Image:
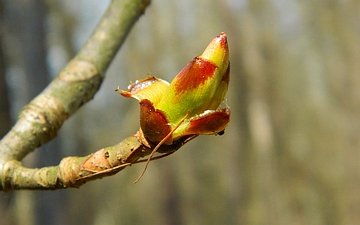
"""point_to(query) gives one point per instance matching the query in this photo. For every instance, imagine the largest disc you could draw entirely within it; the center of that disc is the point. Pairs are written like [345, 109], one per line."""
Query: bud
[199, 88]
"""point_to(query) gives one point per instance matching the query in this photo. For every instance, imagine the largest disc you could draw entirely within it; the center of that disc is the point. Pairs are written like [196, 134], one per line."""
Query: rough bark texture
[75, 85]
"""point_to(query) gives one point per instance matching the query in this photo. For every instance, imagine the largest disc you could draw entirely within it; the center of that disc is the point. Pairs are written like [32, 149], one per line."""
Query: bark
[75, 85]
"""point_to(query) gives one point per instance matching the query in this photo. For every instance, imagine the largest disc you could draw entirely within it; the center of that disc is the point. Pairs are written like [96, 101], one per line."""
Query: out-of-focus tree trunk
[5, 117]
[27, 24]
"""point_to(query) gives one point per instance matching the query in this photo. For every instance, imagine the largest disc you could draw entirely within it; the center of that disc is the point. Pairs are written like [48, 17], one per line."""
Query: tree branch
[75, 85]
[76, 171]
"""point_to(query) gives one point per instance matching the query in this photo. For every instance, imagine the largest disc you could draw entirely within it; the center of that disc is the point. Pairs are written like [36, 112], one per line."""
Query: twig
[75, 85]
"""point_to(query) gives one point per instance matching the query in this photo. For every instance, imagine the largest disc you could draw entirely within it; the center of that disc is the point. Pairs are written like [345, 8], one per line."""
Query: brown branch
[76, 171]
[75, 85]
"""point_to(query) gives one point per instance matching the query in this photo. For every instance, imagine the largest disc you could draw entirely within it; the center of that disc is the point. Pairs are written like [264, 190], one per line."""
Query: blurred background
[290, 154]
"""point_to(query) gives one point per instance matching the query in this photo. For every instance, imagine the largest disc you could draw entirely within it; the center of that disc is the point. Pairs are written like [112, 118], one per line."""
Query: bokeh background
[289, 156]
